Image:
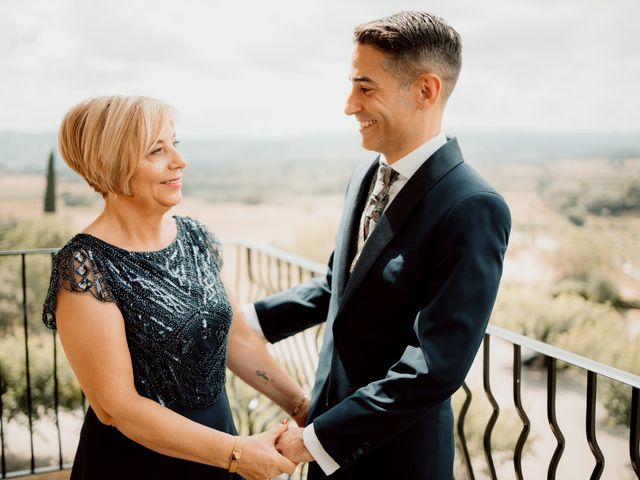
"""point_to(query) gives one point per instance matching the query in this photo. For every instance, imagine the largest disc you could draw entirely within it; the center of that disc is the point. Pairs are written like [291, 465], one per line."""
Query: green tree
[50, 192]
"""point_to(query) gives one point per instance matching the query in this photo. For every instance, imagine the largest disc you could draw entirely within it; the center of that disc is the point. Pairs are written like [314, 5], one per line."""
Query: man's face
[385, 111]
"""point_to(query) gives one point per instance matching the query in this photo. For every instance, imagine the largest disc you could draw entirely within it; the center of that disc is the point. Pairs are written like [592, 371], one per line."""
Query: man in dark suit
[413, 277]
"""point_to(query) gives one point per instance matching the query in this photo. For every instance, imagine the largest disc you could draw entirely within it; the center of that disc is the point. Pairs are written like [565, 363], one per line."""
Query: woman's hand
[300, 415]
[260, 460]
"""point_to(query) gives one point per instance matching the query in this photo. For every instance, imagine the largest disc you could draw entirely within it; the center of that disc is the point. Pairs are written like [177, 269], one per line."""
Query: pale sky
[280, 68]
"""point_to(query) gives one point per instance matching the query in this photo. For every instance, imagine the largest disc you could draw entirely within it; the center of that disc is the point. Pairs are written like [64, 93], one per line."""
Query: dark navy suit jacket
[404, 327]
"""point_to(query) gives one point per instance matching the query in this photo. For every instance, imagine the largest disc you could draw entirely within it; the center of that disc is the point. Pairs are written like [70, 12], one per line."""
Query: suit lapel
[343, 253]
[431, 171]
[345, 242]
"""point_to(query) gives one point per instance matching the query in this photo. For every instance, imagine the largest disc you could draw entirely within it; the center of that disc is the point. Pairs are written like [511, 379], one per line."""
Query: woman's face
[157, 181]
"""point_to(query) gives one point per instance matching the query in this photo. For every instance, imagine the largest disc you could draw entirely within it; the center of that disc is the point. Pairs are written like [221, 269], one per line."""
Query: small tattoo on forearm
[263, 374]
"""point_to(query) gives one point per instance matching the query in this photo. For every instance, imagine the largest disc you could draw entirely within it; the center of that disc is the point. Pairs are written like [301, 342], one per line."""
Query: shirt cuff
[251, 317]
[319, 454]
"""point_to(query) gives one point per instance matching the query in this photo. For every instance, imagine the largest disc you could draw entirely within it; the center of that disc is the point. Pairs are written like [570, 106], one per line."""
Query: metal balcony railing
[259, 270]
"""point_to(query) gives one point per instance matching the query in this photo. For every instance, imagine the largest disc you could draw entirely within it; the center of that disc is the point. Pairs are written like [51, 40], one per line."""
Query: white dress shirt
[406, 167]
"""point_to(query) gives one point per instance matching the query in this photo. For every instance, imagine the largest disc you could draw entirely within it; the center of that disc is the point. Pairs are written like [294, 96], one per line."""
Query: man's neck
[409, 147]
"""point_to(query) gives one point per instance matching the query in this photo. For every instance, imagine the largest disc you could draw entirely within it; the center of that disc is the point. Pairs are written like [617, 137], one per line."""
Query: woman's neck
[125, 225]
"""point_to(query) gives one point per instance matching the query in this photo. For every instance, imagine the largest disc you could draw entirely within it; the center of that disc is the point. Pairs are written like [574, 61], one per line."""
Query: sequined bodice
[176, 313]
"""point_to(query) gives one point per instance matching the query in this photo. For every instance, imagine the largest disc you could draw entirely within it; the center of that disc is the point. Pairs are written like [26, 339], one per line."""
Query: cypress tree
[50, 192]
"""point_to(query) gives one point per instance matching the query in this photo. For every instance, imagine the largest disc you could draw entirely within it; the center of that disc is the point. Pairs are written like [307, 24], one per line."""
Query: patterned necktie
[377, 201]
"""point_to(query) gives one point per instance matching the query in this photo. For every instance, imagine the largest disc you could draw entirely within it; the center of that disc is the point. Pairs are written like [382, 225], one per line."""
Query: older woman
[145, 319]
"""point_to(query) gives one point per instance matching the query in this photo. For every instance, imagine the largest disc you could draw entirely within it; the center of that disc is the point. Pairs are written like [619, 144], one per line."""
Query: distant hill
[524, 147]
[24, 152]
[27, 152]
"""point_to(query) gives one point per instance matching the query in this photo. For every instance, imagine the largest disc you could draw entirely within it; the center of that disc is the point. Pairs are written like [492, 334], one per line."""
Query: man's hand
[291, 445]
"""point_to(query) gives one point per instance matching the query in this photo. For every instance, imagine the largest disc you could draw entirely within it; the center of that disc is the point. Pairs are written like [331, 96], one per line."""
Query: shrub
[42, 232]
[562, 198]
[10, 310]
[596, 287]
[631, 194]
[599, 288]
[13, 376]
[503, 438]
[578, 325]
[47, 231]
[576, 216]
[580, 253]
[599, 199]
[252, 198]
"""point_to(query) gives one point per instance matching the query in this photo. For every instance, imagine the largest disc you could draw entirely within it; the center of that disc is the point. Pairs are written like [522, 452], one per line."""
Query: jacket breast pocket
[400, 266]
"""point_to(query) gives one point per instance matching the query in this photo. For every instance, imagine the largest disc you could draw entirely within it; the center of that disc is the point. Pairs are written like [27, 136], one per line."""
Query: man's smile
[366, 124]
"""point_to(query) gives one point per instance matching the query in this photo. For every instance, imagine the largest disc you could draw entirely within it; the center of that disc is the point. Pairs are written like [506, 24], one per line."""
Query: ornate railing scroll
[257, 271]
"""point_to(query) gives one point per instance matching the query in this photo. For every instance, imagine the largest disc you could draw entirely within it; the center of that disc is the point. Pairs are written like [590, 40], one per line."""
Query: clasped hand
[291, 445]
[267, 455]
[290, 442]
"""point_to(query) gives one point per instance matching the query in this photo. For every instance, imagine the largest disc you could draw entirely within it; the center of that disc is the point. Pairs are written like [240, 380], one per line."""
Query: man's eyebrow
[362, 80]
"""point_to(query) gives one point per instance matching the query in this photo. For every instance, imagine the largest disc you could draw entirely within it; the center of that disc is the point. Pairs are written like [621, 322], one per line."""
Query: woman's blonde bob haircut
[104, 138]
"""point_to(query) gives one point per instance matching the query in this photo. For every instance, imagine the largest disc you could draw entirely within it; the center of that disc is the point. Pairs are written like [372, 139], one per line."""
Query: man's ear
[429, 88]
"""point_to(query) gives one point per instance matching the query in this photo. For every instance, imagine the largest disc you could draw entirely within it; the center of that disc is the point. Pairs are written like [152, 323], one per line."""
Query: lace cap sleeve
[74, 269]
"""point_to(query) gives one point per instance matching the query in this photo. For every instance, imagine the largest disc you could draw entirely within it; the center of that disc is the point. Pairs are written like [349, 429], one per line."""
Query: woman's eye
[364, 90]
[176, 142]
[156, 151]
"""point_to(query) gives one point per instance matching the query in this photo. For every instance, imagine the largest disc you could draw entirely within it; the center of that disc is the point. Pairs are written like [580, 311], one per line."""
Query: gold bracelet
[298, 407]
[236, 453]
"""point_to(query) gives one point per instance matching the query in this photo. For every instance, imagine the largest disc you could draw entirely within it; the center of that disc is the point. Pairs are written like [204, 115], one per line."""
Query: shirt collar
[411, 162]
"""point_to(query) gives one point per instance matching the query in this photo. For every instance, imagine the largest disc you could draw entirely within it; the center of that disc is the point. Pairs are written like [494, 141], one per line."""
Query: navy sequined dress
[177, 319]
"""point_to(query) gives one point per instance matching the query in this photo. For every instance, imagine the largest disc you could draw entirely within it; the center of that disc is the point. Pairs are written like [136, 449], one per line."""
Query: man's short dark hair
[415, 43]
